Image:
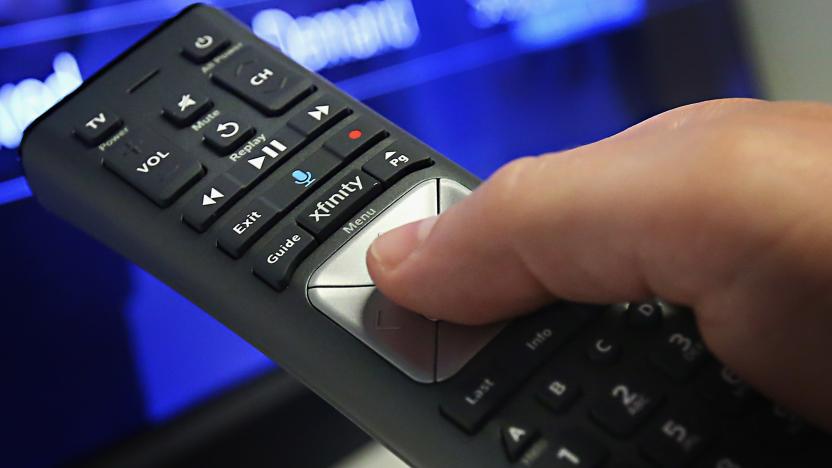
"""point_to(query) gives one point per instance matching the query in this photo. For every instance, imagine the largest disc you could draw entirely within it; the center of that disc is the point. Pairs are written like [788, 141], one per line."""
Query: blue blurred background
[94, 350]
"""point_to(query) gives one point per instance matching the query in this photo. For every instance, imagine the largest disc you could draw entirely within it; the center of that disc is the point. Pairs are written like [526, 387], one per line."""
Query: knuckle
[509, 186]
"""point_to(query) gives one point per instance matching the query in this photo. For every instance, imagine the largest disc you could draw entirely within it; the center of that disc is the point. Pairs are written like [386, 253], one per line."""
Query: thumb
[719, 206]
[614, 221]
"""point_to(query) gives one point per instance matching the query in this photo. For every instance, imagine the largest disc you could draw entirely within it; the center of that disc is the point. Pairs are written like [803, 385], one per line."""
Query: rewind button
[271, 154]
[208, 204]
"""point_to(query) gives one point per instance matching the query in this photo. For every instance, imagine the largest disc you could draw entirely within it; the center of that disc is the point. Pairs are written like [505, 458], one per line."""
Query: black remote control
[254, 188]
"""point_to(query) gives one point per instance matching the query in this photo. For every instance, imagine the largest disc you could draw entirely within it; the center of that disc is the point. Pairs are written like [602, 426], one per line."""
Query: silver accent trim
[347, 266]
[405, 339]
[451, 192]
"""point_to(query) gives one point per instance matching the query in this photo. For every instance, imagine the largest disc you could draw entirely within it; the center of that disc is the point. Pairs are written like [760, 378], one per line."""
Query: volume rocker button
[154, 166]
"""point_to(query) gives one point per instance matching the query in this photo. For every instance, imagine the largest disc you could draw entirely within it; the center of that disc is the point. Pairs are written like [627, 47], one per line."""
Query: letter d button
[279, 257]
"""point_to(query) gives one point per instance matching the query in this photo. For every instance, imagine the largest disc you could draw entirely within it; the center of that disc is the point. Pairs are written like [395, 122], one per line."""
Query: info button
[277, 260]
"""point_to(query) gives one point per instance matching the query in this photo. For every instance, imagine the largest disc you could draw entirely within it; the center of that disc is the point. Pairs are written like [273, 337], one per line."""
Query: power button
[203, 46]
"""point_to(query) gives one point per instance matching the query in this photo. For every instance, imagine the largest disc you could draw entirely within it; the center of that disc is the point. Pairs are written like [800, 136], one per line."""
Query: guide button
[277, 260]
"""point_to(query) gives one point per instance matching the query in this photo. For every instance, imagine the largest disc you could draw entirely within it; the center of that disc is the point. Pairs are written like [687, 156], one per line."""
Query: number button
[575, 450]
[677, 439]
[722, 388]
[625, 406]
[97, 127]
[680, 355]
[262, 82]
[205, 45]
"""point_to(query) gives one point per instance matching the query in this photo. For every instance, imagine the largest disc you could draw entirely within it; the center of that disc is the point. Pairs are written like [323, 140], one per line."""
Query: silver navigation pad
[424, 350]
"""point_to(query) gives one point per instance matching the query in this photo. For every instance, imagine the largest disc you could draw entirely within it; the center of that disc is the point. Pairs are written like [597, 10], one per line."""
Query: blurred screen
[96, 349]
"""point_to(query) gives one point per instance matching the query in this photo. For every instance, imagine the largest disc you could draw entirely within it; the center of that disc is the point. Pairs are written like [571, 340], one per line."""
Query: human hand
[722, 206]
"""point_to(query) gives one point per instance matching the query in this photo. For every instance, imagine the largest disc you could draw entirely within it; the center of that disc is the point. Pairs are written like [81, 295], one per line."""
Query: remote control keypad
[624, 390]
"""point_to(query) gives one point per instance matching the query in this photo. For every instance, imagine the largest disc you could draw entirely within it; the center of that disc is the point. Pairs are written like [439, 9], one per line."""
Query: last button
[396, 161]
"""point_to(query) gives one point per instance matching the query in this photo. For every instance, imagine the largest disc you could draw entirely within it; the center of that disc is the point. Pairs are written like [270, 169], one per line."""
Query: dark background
[98, 358]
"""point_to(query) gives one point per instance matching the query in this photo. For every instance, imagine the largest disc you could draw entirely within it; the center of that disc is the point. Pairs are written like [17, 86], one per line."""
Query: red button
[355, 134]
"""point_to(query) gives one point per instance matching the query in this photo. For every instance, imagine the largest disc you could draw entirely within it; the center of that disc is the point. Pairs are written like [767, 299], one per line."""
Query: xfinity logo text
[323, 209]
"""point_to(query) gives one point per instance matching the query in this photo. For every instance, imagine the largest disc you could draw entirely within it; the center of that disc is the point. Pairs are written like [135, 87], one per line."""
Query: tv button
[97, 127]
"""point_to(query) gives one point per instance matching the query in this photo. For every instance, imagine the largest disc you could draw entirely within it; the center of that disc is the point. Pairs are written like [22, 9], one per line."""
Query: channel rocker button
[396, 161]
[342, 201]
[277, 260]
[263, 82]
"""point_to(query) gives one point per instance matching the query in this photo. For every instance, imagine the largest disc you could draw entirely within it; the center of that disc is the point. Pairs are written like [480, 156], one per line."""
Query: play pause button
[267, 156]
[208, 204]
